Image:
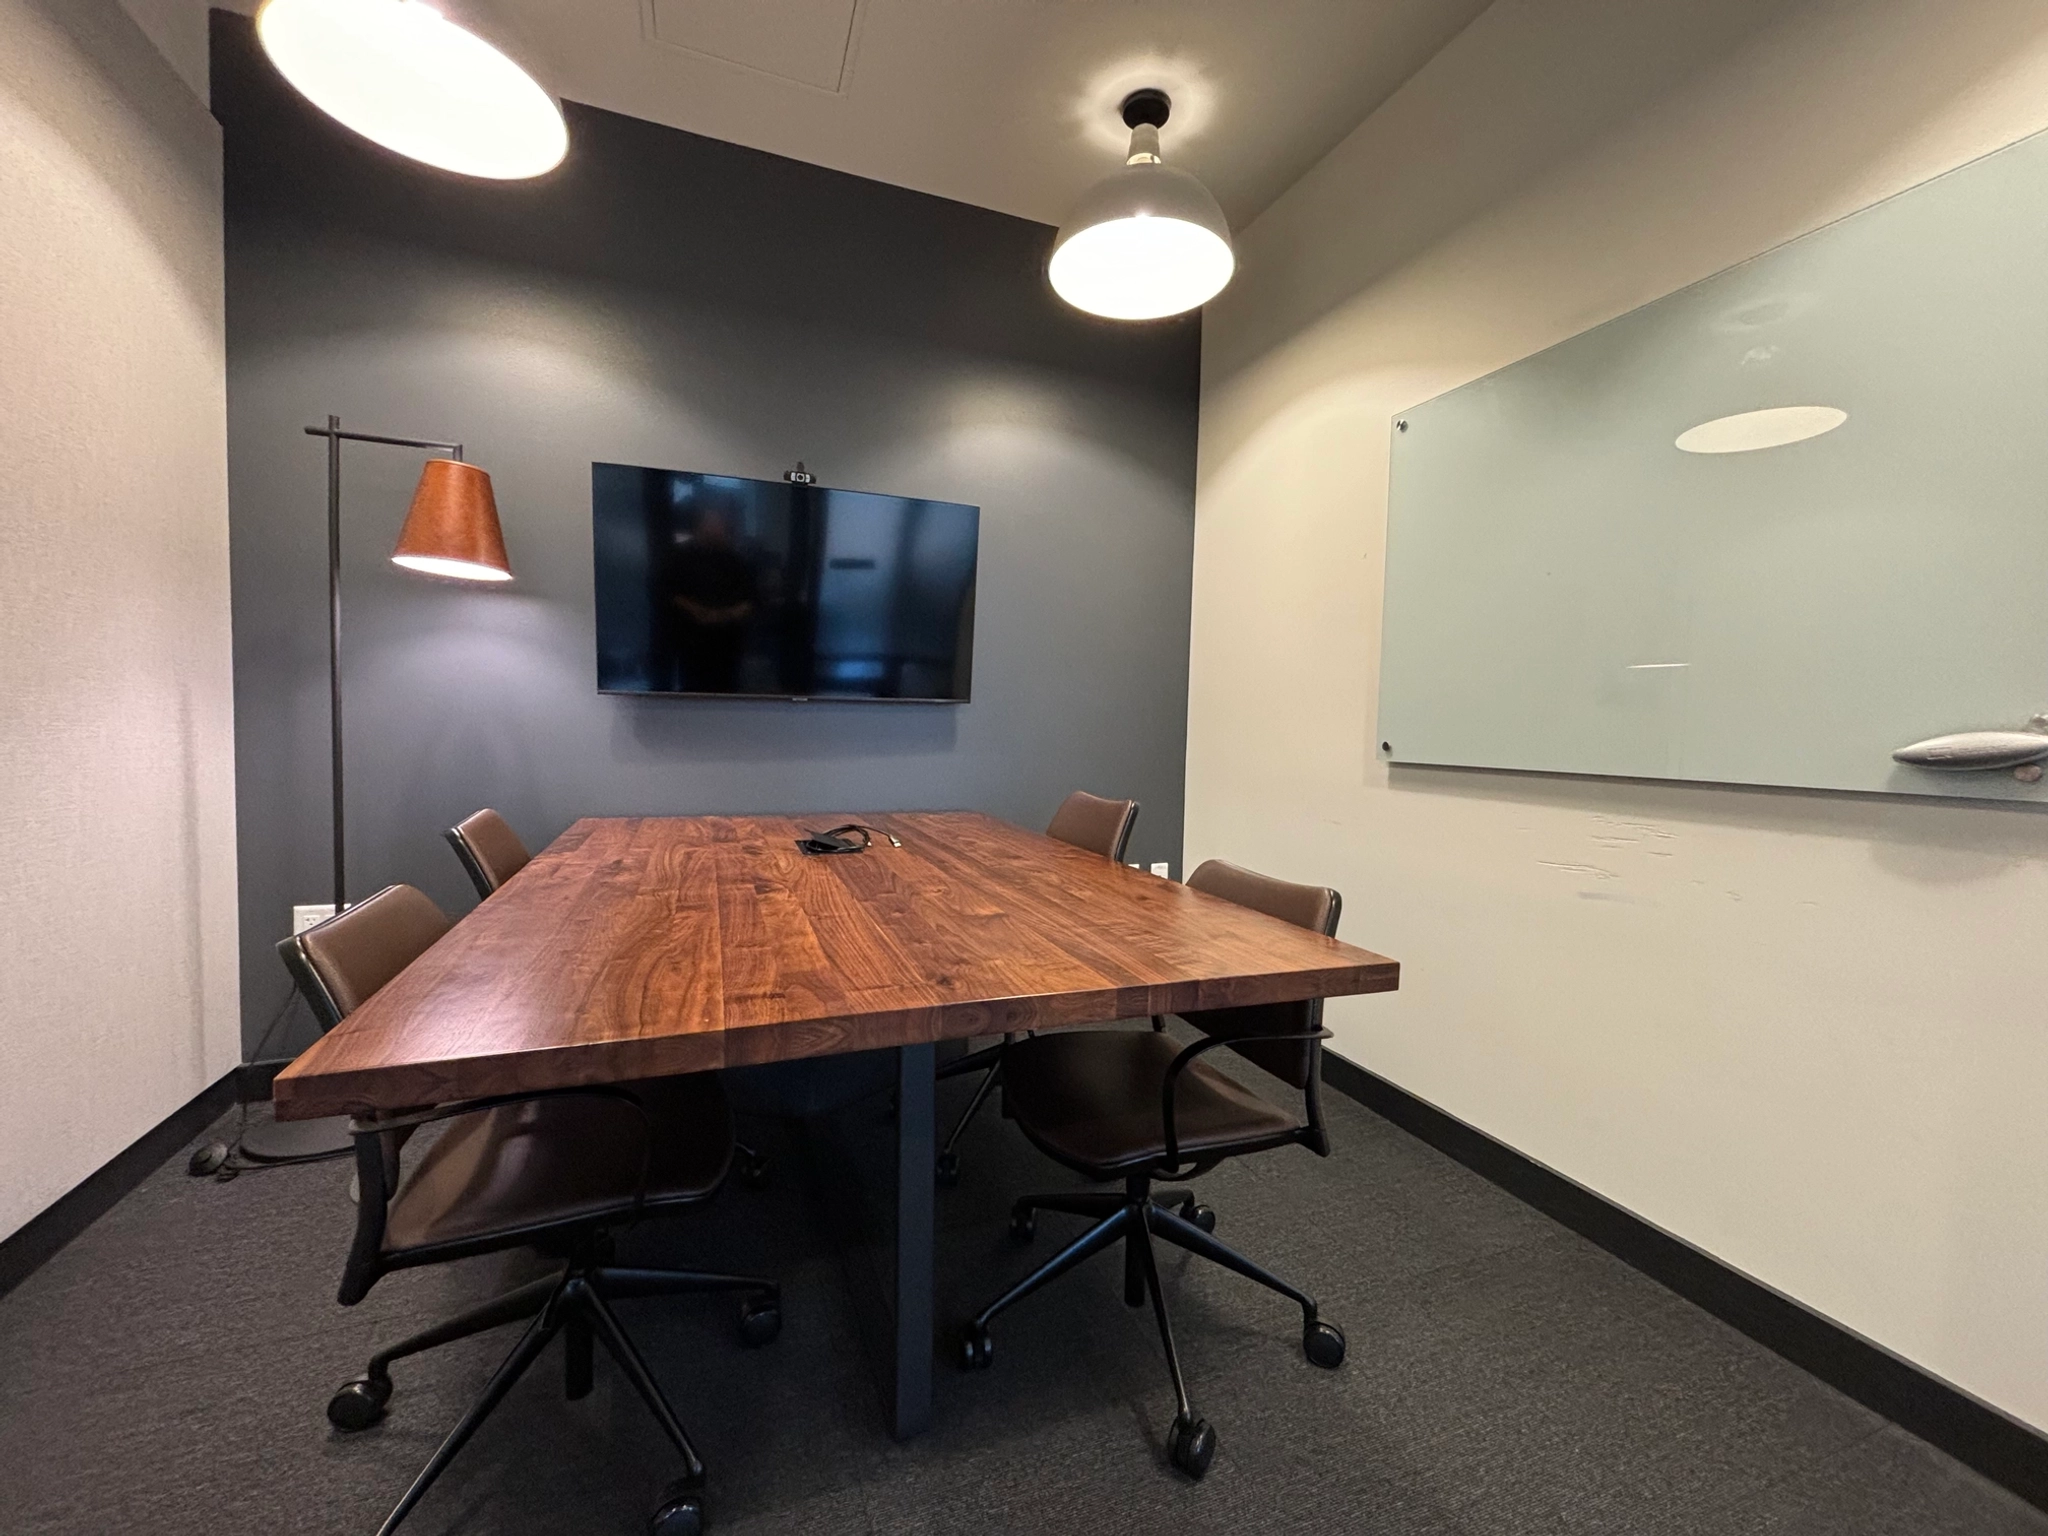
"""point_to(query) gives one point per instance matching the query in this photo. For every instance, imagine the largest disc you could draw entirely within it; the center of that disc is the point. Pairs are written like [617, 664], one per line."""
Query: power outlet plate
[306, 917]
[1163, 871]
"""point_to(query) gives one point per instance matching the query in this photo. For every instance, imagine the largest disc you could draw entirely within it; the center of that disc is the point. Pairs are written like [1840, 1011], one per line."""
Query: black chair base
[1134, 1218]
[989, 1062]
[575, 1304]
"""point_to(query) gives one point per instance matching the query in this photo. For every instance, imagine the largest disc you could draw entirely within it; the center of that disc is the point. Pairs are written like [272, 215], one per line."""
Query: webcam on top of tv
[799, 475]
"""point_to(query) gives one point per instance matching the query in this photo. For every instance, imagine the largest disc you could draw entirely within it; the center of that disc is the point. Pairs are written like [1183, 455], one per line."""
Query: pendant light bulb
[1147, 241]
[403, 75]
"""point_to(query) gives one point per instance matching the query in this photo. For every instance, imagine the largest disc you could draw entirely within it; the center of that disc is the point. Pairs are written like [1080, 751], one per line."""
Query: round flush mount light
[1148, 241]
[1751, 430]
[405, 76]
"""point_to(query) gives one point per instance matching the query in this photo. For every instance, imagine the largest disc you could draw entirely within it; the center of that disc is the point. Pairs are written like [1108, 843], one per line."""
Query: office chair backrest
[1091, 822]
[489, 849]
[1314, 907]
[341, 963]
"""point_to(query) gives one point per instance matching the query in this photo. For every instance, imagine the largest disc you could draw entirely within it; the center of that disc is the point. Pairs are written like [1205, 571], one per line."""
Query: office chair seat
[1091, 1099]
[564, 1162]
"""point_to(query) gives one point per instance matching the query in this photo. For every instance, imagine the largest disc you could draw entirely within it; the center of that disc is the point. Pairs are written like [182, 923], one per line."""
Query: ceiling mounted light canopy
[404, 75]
[1750, 431]
[1148, 241]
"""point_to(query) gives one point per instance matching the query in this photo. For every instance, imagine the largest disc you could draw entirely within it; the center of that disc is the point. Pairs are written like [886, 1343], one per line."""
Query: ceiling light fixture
[405, 76]
[1751, 430]
[1148, 241]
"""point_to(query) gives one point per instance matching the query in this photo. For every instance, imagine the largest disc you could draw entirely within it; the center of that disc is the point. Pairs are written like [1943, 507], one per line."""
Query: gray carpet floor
[168, 1370]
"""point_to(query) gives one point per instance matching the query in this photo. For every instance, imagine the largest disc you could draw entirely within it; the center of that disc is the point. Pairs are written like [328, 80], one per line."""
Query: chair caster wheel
[760, 1321]
[208, 1160]
[1193, 1446]
[681, 1513]
[753, 1169]
[359, 1403]
[977, 1350]
[1201, 1215]
[1023, 1226]
[1323, 1343]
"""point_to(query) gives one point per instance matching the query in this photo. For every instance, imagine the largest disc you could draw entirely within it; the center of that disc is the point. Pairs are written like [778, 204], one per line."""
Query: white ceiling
[1010, 104]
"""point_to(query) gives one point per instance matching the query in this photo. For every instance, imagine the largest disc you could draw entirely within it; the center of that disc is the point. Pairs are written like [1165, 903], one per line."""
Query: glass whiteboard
[1568, 591]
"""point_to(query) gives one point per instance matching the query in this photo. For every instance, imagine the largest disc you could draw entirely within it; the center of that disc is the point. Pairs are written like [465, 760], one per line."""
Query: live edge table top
[636, 947]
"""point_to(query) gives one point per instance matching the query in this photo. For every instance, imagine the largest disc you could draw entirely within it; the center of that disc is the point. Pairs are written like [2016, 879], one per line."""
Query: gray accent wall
[669, 300]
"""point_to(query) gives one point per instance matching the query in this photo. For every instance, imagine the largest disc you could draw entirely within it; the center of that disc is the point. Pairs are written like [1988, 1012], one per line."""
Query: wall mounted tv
[712, 585]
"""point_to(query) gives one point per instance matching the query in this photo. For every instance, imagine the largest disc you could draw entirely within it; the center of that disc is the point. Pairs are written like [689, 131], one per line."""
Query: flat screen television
[717, 586]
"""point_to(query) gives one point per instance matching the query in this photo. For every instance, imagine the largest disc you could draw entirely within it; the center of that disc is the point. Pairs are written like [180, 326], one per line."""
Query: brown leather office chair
[1087, 821]
[1091, 822]
[1134, 1105]
[556, 1171]
[490, 850]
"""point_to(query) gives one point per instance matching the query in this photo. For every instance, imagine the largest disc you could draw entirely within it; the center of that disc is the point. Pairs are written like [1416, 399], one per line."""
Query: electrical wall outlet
[305, 917]
[1163, 871]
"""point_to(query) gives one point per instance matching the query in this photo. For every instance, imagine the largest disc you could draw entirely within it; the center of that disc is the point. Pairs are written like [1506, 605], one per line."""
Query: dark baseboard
[35, 1244]
[253, 1079]
[1967, 1428]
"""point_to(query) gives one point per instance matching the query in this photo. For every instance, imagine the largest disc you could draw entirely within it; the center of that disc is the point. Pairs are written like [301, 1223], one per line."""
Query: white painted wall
[1804, 1031]
[117, 902]
[179, 29]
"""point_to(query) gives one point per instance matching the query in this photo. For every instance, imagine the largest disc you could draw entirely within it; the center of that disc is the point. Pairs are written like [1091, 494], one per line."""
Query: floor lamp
[452, 532]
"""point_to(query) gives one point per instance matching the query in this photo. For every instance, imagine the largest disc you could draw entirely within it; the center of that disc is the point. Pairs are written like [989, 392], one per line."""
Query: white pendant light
[404, 75]
[1148, 241]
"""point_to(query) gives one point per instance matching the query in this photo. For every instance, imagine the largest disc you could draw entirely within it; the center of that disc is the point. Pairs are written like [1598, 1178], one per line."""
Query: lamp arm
[333, 430]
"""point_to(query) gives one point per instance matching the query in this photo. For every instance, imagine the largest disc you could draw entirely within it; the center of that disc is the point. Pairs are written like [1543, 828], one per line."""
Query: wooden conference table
[637, 947]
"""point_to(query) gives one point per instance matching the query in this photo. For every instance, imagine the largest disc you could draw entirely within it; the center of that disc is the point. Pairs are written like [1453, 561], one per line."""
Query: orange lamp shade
[452, 529]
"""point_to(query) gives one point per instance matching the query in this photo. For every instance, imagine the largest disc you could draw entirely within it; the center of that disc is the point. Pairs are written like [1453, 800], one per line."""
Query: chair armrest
[413, 1119]
[1186, 1058]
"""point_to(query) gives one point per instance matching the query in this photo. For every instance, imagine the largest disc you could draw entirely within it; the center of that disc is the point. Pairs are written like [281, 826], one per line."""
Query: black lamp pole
[479, 545]
[335, 438]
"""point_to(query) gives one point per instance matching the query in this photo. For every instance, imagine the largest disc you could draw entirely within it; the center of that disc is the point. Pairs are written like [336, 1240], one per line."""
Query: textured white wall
[1802, 1031]
[117, 902]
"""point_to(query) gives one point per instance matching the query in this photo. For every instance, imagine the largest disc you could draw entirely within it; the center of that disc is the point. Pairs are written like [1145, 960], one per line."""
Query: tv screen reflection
[729, 587]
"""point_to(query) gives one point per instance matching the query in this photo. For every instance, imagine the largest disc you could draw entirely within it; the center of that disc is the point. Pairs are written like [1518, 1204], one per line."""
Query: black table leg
[871, 1133]
[916, 1148]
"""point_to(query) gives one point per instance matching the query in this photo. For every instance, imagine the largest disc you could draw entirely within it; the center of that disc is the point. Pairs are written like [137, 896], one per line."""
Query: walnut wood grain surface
[636, 947]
